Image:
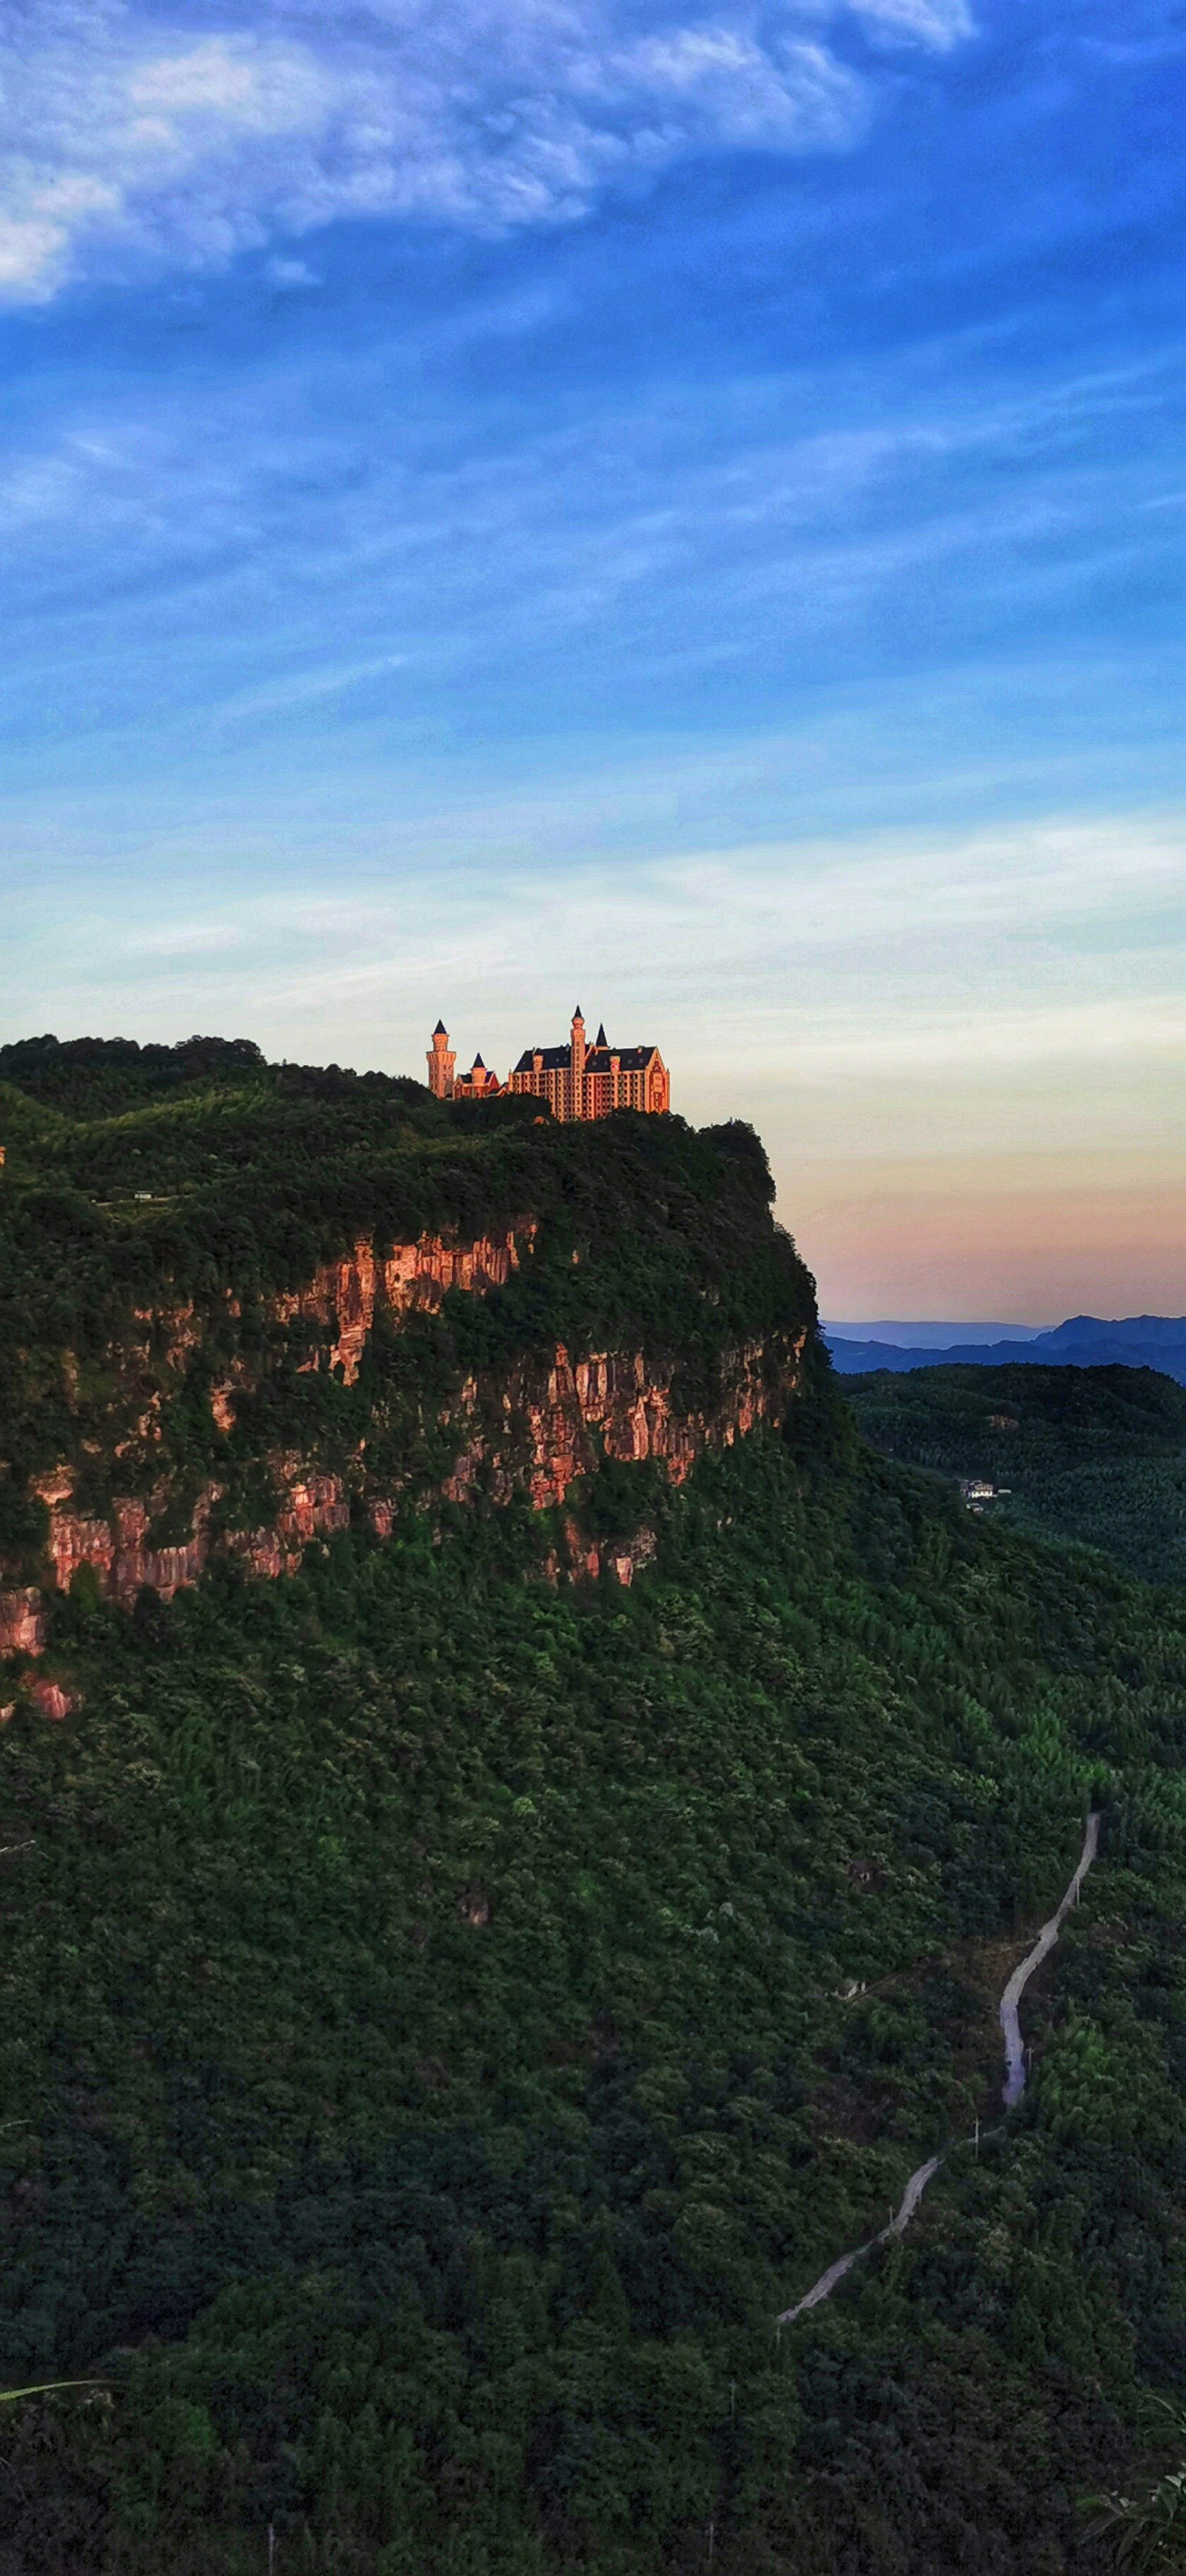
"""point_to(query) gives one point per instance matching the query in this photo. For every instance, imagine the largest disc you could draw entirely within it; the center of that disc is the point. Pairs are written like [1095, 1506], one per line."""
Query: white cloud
[792, 97]
[128, 136]
[220, 81]
[937, 23]
[39, 217]
[290, 273]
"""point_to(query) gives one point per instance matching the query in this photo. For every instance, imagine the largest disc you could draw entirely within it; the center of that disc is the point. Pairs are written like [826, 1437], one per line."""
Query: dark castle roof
[630, 1059]
[559, 1059]
[553, 1059]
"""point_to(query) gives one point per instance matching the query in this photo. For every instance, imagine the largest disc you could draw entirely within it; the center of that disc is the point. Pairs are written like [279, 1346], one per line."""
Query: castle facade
[577, 1081]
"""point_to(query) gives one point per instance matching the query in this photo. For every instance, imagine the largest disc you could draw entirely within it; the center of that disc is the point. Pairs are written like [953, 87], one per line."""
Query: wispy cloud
[220, 552]
[938, 23]
[296, 689]
[914, 1022]
[128, 135]
[708, 595]
[831, 962]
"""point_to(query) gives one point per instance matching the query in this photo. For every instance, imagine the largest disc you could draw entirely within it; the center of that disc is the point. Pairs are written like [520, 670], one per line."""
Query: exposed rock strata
[544, 1424]
[558, 1419]
[341, 1299]
[22, 1622]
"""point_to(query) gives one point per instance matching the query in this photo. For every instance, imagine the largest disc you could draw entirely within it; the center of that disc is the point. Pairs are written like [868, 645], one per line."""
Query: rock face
[616, 1404]
[116, 1547]
[342, 1296]
[22, 1623]
[634, 1411]
[538, 1426]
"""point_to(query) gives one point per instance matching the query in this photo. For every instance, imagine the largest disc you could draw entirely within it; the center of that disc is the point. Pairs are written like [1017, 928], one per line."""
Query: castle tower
[577, 1077]
[580, 1081]
[441, 1060]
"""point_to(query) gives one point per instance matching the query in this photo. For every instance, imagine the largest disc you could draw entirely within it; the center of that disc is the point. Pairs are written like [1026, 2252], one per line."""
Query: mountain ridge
[1132, 1341]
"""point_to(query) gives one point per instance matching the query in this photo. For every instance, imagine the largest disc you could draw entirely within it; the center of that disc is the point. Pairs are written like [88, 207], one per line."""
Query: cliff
[540, 1426]
[451, 2015]
[634, 1305]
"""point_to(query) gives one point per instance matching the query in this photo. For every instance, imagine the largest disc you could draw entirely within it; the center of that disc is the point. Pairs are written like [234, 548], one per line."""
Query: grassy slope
[1095, 1455]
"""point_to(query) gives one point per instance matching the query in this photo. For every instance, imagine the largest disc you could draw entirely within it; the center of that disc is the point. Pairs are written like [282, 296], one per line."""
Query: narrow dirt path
[1012, 2089]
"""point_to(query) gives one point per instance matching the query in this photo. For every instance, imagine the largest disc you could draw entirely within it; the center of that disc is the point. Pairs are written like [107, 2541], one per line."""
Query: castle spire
[441, 1060]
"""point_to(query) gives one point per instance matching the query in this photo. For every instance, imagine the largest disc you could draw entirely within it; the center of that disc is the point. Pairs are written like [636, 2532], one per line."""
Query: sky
[677, 507]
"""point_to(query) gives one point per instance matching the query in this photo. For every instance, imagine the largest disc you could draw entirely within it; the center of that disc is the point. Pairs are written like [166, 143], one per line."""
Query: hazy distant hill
[1084, 1341]
[931, 1336]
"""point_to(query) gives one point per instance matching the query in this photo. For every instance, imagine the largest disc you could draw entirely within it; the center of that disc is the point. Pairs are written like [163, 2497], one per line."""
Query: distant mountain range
[1084, 1341]
[931, 1336]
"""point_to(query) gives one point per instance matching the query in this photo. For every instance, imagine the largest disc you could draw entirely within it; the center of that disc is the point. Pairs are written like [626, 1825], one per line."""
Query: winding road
[1012, 2089]
[1014, 2085]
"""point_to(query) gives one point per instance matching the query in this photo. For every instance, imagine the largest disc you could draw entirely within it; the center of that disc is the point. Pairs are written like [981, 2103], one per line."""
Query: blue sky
[678, 506]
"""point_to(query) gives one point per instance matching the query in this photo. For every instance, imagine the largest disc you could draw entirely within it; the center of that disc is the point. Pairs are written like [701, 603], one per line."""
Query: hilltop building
[577, 1081]
[477, 1084]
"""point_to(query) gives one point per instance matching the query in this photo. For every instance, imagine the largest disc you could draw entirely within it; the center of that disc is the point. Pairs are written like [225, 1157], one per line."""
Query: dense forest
[449, 2013]
[1093, 1455]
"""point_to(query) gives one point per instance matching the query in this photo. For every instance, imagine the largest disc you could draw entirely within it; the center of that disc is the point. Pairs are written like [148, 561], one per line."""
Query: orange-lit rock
[629, 1405]
[540, 1428]
[52, 1700]
[22, 1622]
[341, 1298]
[222, 1403]
[116, 1548]
[547, 1414]
[315, 1506]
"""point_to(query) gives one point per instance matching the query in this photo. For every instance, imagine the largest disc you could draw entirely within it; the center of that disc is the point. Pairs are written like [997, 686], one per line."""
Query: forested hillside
[1096, 1455]
[454, 2003]
[148, 1175]
[242, 1303]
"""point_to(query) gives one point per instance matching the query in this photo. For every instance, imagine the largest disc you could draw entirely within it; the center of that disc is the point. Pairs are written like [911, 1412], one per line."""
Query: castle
[576, 1080]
